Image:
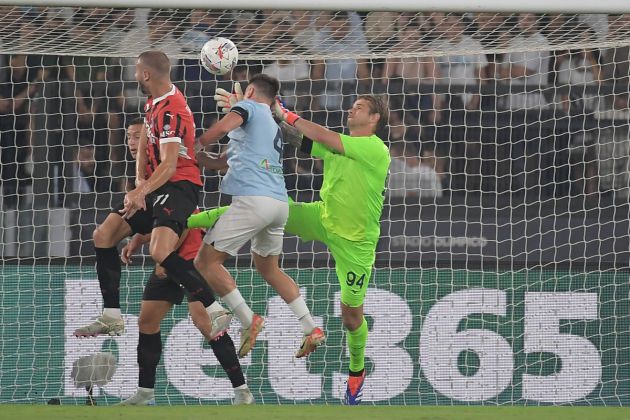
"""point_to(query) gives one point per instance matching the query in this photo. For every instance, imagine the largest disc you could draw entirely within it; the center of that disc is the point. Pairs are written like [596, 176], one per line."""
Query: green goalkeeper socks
[206, 219]
[357, 340]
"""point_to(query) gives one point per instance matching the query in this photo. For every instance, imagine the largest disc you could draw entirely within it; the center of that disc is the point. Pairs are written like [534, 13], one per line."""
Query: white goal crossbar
[533, 6]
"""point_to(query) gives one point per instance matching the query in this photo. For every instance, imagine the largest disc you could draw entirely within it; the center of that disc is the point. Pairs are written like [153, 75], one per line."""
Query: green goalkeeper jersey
[354, 187]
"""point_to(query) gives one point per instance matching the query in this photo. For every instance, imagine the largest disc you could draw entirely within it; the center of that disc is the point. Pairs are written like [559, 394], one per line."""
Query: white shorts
[256, 218]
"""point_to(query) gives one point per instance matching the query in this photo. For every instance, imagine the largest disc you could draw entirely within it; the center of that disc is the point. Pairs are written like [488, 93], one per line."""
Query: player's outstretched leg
[206, 219]
[108, 269]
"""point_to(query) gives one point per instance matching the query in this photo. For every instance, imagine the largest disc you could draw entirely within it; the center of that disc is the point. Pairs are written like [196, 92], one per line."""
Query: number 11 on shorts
[161, 199]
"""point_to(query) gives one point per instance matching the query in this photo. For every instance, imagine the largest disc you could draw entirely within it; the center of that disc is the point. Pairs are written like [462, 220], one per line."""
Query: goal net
[501, 273]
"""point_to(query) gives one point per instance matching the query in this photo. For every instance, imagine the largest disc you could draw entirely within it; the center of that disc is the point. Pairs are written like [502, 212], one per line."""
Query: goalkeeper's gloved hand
[284, 114]
[291, 135]
[226, 100]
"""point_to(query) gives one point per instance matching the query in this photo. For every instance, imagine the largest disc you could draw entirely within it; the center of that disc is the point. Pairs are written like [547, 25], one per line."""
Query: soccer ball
[219, 56]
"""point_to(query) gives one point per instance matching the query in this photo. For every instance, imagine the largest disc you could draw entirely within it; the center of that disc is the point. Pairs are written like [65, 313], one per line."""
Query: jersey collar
[166, 95]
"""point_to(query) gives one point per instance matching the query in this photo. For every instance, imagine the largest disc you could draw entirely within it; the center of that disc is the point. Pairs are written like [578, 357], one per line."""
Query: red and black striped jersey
[168, 119]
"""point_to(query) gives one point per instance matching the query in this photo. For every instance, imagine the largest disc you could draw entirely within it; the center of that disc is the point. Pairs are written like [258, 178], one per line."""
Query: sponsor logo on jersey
[267, 166]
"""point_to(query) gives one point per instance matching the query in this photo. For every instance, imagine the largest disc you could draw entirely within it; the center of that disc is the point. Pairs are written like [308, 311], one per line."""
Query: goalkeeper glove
[291, 135]
[226, 100]
[284, 114]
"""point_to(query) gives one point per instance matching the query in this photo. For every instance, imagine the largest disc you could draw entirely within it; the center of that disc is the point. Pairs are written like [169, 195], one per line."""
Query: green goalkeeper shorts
[353, 260]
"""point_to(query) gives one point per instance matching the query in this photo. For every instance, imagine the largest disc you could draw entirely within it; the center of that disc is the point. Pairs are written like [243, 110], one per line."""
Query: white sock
[145, 390]
[237, 305]
[244, 386]
[301, 312]
[112, 313]
[214, 307]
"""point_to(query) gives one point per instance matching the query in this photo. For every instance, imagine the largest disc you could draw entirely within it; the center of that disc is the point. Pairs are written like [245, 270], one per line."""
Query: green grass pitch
[303, 412]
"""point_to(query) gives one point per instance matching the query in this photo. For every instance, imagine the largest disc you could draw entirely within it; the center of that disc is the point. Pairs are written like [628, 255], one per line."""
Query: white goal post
[501, 275]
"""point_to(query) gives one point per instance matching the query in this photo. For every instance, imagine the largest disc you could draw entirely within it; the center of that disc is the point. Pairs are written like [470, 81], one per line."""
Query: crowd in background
[62, 118]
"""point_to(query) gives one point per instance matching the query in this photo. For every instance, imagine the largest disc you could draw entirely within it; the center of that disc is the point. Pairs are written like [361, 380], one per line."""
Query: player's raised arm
[134, 244]
[135, 199]
[212, 161]
[231, 121]
[166, 168]
[312, 130]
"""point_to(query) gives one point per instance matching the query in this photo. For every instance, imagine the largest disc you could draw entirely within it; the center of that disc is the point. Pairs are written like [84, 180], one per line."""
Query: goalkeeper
[347, 217]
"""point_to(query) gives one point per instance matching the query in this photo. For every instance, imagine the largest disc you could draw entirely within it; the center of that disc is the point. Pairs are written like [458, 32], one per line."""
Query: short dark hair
[377, 106]
[266, 85]
[136, 121]
[156, 60]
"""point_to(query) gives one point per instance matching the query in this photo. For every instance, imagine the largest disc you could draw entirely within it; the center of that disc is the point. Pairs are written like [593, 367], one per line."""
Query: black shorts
[163, 290]
[167, 289]
[170, 205]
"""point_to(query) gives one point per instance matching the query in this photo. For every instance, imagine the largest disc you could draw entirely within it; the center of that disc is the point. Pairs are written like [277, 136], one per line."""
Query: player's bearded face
[141, 77]
[143, 87]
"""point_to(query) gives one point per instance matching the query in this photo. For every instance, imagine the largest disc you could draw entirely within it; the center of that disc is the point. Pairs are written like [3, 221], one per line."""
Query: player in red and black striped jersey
[160, 294]
[166, 193]
[169, 120]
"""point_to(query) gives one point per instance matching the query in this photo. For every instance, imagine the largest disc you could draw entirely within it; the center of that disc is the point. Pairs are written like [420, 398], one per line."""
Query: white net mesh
[260, 34]
[501, 274]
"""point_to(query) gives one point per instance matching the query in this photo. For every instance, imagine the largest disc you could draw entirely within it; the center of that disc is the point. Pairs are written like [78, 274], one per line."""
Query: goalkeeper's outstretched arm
[314, 131]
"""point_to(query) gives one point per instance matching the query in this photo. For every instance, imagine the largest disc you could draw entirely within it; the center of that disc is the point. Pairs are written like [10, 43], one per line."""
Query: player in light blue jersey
[258, 212]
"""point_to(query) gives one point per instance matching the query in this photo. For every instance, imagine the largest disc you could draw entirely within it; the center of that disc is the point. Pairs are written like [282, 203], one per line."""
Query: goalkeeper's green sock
[357, 340]
[206, 219]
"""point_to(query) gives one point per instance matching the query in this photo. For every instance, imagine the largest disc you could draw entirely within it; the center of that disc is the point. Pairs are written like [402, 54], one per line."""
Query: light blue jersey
[255, 154]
